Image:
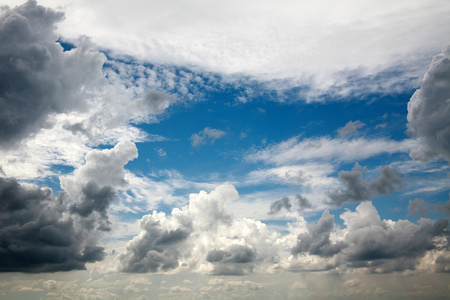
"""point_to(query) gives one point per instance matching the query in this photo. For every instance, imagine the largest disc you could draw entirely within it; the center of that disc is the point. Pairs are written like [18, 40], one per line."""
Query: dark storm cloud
[356, 189]
[36, 77]
[157, 249]
[277, 205]
[38, 233]
[94, 199]
[235, 260]
[317, 240]
[429, 111]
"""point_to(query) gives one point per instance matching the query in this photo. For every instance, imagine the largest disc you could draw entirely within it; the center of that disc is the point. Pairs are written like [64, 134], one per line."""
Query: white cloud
[103, 167]
[207, 135]
[337, 150]
[350, 128]
[308, 174]
[318, 43]
[203, 236]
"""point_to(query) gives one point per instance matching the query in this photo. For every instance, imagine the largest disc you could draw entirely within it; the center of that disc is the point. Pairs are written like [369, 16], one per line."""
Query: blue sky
[198, 150]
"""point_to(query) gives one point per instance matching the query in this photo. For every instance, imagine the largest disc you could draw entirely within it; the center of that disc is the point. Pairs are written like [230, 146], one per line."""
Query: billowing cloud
[367, 242]
[429, 111]
[235, 260]
[42, 232]
[103, 167]
[317, 240]
[383, 246]
[36, 76]
[357, 189]
[207, 135]
[202, 236]
[39, 233]
[350, 128]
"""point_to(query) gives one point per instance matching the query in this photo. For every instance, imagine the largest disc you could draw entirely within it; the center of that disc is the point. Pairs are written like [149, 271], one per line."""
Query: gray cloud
[380, 247]
[277, 205]
[429, 111]
[38, 232]
[156, 248]
[350, 128]
[285, 202]
[36, 77]
[357, 189]
[418, 207]
[95, 200]
[235, 260]
[317, 240]
[303, 202]
[443, 264]
[388, 182]
[207, 135]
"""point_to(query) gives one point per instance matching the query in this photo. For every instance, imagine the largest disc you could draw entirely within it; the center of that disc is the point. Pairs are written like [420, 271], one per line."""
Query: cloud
[382, 246]
[235, 260]
[330, 47]
[357, 189]
[285, 202]
[158, 246]
[207, 135]
[350, 128]
[418, 207]
[42, 232]
[39, 233]
[324, 148]
[369, 243]
[317, 240]
[37, 77]
[303, 202]
[429, 111]
[202, 236]
[277, 205]
[103, 167]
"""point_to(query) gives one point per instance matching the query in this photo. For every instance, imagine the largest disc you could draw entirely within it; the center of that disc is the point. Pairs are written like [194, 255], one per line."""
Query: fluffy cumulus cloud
[59, 104]
[36, 76]
[357, 189]
[317, 240]
[367, 242]
[102, 168]
[383, 246]
[43, 232]
[202, 237]
[429, 111]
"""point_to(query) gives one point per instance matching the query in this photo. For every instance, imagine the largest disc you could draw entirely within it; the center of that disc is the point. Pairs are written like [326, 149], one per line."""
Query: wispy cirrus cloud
[325, 148]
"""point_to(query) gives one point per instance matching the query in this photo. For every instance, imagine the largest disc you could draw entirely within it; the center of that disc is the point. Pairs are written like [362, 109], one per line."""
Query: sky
[224, 149]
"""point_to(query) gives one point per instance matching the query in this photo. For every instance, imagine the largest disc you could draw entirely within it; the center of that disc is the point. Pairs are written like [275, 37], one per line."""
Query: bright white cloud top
[224, 149]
